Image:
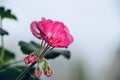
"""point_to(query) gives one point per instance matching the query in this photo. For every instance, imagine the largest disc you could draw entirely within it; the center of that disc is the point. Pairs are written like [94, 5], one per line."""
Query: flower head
[55, 33]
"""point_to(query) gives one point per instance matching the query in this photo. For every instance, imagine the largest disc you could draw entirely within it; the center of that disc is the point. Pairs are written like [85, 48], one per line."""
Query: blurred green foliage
[3, 32]
[12, 72]
[8, 56]
[6, 14]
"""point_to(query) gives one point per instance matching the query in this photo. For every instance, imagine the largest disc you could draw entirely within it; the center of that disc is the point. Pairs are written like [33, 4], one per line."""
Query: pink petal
[35, 30]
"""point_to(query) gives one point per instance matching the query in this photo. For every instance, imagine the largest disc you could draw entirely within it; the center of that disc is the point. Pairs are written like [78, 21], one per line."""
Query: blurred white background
[93, 23]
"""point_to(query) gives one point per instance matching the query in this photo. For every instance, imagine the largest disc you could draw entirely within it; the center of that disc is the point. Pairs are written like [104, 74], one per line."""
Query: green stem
[45, 49]
[41, 44]
[2, 42]
[22, 74]
[3, 50]
[0, 22]
[42, 48]
[47, 52]
[4, 66]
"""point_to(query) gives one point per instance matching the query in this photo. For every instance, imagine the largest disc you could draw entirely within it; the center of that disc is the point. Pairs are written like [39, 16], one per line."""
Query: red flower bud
[26, 60]
[49, 73]
[38, 73]
[32, 58]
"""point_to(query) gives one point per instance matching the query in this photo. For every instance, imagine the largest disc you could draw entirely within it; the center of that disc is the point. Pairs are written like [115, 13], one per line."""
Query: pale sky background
[95, 25]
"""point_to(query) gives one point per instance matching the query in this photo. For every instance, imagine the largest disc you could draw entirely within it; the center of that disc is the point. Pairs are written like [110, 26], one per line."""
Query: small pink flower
[26, 60]
[32, 58]
[55, 33]
[38, 73]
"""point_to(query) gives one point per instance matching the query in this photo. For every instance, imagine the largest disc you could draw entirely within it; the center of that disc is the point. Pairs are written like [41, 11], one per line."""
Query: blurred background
[95, 25]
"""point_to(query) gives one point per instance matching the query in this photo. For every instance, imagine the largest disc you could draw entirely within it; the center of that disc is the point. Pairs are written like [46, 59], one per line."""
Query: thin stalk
[15, 62]
[41, 44]
[47, 52]
[8, 64]
[2, 43]
[46, 48]
[3, 50]
[0, 22]
[42, 47]
[22, 74]
[44, 60]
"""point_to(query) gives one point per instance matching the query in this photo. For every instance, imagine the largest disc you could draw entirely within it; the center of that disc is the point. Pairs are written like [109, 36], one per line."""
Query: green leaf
[35, 44]
[2, 10]
[12, 73]
[8, 55]
[7, 13]
[3, 32]
[27, 48]
[56, 53]
[9, 74]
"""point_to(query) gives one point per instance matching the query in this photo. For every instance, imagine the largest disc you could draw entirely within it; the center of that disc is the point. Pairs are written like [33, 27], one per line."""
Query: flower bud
[38, 73]
[26, 60]
[32, 58]
[49, 73]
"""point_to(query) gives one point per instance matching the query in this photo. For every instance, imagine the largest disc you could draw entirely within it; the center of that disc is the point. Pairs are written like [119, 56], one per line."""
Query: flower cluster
[46, 68]
[54, 34]
[30, 59]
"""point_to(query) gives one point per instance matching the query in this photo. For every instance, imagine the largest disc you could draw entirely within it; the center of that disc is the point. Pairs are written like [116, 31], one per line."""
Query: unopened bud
[49, 73]
[38, 73]
[26, 60]
[32, 58]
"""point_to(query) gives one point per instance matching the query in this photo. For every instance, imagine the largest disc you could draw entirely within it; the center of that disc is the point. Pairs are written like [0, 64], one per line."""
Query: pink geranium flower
[55, 33]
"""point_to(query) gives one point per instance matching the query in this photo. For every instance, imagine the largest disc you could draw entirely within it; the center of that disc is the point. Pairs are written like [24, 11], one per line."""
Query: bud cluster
[38, 72]
[30, 59]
